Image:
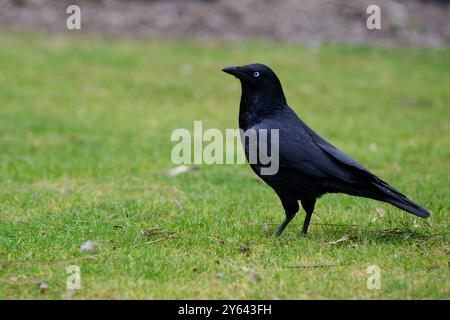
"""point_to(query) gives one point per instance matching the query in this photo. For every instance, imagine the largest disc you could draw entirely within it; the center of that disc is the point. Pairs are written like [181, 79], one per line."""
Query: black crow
[309, 166]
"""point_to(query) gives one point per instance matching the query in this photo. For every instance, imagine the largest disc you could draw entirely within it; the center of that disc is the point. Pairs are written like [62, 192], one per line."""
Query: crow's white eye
[256, 74]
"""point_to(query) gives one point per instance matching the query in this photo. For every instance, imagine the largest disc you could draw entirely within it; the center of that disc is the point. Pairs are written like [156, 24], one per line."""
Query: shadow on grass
[355, 233]
[386, 235]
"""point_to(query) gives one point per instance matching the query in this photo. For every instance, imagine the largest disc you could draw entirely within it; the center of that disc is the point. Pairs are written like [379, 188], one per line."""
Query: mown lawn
[85, 129]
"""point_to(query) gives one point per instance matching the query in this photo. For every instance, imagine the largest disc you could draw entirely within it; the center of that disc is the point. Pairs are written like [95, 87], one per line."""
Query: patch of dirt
[415, 22]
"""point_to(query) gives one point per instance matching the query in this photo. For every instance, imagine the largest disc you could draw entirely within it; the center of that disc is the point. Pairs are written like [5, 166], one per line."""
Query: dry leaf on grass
[252, 274]
[156, 231]
[346, 238]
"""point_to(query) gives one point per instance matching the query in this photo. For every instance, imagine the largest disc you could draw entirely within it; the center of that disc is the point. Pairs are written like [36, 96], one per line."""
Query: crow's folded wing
[300, 152]
[333, 151]
[304, 151]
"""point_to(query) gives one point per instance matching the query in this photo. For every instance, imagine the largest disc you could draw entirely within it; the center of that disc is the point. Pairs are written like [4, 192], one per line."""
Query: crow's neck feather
[257, 104]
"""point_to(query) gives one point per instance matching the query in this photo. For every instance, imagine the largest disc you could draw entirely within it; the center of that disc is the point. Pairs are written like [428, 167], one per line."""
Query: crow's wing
[383, 191]
[304, 151]
[333, 151]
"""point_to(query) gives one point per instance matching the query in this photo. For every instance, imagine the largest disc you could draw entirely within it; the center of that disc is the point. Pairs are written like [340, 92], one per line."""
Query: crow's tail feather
[390, 195]
[379, 190]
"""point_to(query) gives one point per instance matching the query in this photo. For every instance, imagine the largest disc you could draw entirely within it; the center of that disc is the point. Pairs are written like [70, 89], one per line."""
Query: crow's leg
[308, 206]
[291, 207]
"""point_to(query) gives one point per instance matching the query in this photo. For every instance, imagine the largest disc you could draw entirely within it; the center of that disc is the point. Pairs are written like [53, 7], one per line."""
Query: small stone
[88, 246]
[43, 287]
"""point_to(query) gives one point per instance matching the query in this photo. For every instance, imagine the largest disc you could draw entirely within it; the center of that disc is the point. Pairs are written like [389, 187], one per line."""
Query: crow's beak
[235, 71]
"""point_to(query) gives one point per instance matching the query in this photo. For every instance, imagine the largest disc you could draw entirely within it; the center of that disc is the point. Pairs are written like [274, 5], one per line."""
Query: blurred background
[414, 22]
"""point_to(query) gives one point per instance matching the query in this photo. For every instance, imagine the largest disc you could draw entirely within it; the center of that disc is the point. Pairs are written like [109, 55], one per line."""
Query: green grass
[85, 130]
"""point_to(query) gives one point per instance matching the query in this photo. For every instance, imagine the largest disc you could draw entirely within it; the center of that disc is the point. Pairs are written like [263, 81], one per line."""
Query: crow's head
[256, 77]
